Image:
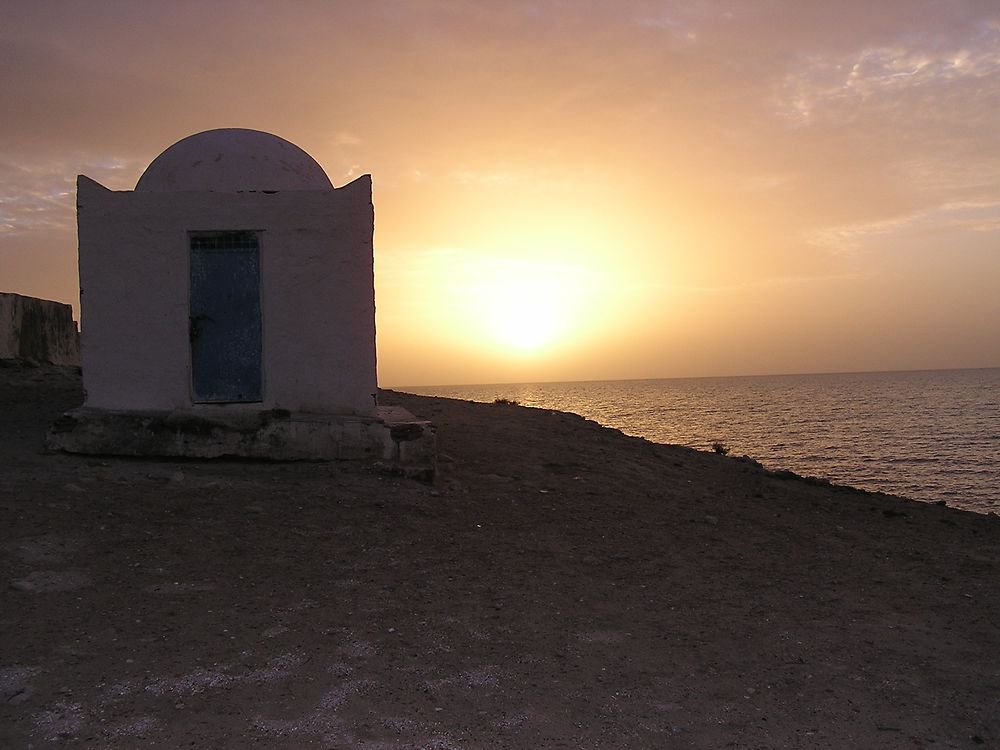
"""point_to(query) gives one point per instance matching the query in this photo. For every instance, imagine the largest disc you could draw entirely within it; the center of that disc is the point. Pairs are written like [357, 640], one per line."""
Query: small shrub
[505, 402]
[719, 447]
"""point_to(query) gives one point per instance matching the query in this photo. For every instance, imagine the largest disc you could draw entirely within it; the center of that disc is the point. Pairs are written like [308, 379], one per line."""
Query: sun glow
[518, 306]
[526, 314]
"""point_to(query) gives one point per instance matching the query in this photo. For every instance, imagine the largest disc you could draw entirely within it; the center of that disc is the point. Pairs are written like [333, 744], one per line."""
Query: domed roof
[230, 160]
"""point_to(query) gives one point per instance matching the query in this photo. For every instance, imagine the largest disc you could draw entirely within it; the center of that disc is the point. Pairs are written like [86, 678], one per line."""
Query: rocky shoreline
[560, 585]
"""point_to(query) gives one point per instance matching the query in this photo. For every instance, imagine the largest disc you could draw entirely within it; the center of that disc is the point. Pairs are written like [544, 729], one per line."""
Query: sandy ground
[562, 585]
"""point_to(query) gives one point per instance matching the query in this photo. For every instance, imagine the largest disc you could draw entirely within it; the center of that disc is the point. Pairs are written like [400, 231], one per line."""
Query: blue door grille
[225, 326]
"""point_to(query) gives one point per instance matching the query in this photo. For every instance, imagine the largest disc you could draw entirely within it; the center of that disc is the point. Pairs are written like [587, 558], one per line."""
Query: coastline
[561, 585]
[926, 435]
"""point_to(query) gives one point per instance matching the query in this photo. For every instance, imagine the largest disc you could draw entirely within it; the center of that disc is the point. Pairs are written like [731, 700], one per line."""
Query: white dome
[230, 160]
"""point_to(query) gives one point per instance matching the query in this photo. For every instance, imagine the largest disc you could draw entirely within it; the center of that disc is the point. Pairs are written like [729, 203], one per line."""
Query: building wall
[317, 295]
[37, 329]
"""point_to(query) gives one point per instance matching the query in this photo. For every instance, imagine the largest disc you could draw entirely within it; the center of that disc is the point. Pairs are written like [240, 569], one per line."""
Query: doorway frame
[241, 241]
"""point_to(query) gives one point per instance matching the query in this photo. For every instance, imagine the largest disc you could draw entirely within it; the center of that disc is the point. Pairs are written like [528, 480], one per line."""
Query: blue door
[225, 317]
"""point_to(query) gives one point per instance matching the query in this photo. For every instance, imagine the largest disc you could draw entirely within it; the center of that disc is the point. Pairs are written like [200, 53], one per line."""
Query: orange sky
[567, 190]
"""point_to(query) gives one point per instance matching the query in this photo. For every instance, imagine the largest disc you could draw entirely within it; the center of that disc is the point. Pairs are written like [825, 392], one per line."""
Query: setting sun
[530, 307]
[496, 308]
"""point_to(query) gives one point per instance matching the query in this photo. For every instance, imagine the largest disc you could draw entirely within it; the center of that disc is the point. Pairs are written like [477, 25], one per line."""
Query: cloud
[344, 138]
[486, 179]
[950, 218]
[41, 195]
[677, 28]
[821, 86]
[764, 282]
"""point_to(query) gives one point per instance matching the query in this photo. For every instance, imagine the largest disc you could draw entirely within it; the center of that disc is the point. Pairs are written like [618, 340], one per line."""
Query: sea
[928, 435]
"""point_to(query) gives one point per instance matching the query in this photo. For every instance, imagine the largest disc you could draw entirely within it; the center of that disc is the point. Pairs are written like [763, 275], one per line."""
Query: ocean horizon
[929, 435]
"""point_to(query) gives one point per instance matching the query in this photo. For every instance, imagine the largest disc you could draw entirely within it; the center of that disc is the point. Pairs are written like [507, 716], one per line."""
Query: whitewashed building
[228, 308]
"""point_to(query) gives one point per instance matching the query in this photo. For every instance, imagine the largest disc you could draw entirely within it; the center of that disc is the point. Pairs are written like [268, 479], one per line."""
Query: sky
[566, 190]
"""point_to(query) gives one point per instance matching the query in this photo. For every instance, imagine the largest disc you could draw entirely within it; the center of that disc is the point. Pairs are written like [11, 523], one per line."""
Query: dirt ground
[561, 586]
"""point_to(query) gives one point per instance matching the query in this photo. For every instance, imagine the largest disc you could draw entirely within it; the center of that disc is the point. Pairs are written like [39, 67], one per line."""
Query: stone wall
[39, 330]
